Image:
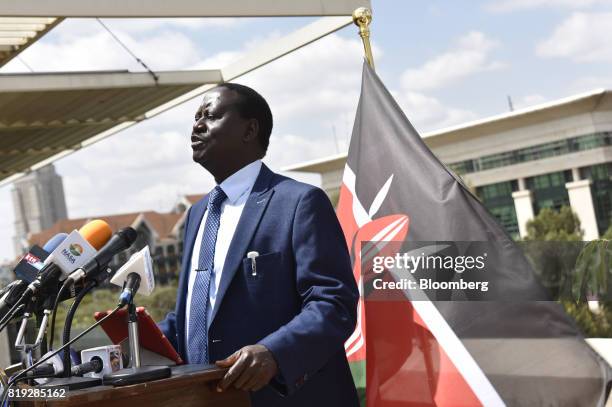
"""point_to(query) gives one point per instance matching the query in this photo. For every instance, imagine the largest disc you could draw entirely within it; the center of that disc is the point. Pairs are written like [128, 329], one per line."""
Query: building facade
[38, 202]
[547, 156]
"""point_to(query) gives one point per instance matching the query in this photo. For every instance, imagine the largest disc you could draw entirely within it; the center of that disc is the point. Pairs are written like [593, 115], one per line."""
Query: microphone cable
[68, 323]
[66, 284]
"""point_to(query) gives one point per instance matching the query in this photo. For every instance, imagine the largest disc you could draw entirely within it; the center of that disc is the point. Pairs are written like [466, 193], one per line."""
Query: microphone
[33, 261]
[118, 243]
[27, 269]
[135, 274]
[95, 365]
[80, 246]
[8, 288]
[101, 360]
[55, 367]
[54, 242]
[74, 250]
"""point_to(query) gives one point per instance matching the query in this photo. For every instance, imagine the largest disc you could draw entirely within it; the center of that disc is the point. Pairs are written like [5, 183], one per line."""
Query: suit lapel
[254, 208]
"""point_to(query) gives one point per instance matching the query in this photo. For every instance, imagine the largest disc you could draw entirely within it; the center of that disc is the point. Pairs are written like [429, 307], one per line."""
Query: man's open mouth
[197, 142]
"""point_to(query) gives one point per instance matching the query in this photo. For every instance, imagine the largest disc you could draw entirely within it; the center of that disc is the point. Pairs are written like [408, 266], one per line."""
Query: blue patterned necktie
[198, 331]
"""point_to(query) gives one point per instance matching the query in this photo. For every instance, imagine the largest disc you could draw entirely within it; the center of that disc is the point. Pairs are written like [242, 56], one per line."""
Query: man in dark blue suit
[266, 286]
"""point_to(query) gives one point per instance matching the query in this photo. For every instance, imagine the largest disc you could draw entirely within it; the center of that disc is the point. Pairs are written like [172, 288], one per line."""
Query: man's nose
[198, 126]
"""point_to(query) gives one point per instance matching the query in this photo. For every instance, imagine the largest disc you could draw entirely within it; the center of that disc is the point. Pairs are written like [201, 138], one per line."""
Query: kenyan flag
[406, 352]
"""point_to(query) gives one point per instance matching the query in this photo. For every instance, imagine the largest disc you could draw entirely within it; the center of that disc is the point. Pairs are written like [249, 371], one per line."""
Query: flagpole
[362, 17]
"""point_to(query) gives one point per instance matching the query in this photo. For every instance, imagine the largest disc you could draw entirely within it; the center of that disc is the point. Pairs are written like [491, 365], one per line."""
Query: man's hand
[251, 368]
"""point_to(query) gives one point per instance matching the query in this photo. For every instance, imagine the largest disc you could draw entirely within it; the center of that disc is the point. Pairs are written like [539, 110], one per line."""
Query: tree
[562, 226]
[608, 234]
[571, 270]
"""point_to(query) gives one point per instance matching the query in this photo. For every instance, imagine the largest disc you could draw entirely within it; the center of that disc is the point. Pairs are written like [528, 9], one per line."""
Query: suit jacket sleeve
[328, 292]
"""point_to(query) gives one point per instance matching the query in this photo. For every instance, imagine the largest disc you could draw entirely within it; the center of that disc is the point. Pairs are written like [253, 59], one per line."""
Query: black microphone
[132, 284]
[53, 367]
[6, 290]
[95, 365]
[118, 243]
[46, 369]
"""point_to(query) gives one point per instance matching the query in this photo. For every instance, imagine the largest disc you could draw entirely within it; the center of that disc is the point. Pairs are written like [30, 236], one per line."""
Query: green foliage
[608, 234]
[591, 279]
[590, 274]
[562, 226]
[592, 324]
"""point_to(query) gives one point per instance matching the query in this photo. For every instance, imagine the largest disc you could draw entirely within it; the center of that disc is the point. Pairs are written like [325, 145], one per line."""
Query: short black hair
[253, 106]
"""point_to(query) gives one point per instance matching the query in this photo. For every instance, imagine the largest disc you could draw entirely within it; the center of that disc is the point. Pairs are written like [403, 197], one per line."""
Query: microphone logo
[72, 252]
[31, 259]
[76, 249]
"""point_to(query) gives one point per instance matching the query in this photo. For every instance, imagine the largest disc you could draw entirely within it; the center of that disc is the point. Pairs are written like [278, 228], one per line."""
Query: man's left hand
[251, 368]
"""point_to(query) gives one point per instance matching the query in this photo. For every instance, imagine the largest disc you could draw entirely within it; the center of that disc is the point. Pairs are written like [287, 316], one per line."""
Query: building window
[532, 153]
[497, 198]
[549, 190]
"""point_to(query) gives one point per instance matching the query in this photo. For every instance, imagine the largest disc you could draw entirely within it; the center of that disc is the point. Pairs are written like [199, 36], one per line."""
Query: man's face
[219, 130]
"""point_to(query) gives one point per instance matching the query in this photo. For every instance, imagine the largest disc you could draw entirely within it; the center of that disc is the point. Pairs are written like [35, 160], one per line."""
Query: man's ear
[252, 131]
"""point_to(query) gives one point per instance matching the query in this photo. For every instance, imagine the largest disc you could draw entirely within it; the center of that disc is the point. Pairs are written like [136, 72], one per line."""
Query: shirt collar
[241, 182]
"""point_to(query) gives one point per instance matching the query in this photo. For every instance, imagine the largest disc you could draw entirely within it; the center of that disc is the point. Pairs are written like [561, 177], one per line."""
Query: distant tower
[38, 202]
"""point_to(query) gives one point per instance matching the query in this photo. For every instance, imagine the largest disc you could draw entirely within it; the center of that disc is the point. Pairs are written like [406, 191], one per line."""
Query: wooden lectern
[187, 387]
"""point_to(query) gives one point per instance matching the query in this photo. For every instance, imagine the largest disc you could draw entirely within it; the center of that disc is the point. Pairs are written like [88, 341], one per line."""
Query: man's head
[232, 128]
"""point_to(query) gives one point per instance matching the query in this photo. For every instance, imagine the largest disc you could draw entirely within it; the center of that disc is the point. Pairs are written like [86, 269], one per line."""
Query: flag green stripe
[358, 370]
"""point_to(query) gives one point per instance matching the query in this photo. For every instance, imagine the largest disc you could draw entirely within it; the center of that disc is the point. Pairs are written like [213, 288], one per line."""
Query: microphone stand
[69, 381]
[136, 373]
[28, 351]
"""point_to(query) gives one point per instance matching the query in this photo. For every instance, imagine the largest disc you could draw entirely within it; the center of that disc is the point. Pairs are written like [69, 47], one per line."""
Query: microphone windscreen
[97, 233]
[54, 242]
[141, 264]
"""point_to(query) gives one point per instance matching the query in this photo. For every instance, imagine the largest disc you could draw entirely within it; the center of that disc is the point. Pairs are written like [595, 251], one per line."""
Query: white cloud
[529, 100]
[428, 113]
[583, 37]
[470, 55]
[143, 168]
[502, 6]
[589, 83]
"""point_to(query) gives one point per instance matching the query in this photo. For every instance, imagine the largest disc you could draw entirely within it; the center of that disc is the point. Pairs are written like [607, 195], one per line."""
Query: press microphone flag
[119, 242]
[74, 250]
[109, 355]
[27, 270]
[72, 253]
[33, 261]
[140, 265]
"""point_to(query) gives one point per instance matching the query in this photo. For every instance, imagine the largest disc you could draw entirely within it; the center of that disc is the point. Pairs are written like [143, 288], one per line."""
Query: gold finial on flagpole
[362, 17]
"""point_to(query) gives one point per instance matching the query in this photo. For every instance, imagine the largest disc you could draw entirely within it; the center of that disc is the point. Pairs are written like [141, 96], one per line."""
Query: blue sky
[446, 62]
